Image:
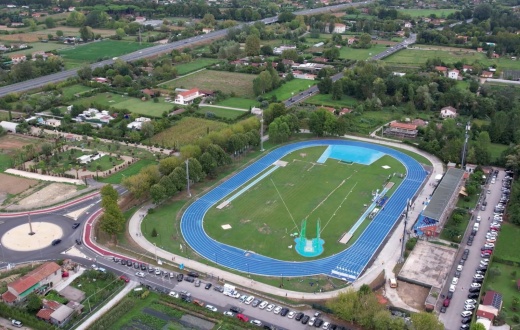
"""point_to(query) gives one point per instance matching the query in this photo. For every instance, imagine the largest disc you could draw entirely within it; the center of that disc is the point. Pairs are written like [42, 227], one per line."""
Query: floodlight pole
[31, 232]
[463, 160]
[262, 132]
[188, 176]
[401, 259]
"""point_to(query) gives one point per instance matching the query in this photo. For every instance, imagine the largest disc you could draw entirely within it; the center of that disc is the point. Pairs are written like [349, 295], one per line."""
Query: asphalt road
[152, 51]
[451, 318]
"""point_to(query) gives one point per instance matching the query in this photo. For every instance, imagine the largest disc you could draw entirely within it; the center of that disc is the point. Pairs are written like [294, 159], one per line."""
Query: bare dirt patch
[11, 142]
[242, 221]
[413, 295]
[53, 193]
[14, 185]
[265, 229]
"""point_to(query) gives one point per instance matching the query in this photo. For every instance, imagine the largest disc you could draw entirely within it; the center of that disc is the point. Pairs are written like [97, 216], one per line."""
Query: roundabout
[18, 238]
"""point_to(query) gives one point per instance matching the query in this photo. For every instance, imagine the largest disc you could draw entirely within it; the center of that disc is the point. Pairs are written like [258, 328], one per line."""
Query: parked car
[263, 304]
[180, 277]
[207, 286]
[211, 308]
[473, 295]
[124, 278]
[466, 313]
[470, 302]
[189, 279]
[197, 282]
[476, 285]
[291, 314]
[305, 319]
[277, 310]
[270, 307]
[242, 317]
[446, 302]
[298, 316]
[139, 274]
[228, 313]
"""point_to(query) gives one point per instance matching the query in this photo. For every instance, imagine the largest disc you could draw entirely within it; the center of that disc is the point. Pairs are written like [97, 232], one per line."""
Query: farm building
[448, 112]
[9, 126]
[403, 130]
[187, 97]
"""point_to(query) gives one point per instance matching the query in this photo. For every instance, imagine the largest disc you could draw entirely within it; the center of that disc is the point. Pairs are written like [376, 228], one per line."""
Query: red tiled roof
[441, 68]
[44, 314]
[395, 124]
[51, 304]
[190, 92]
[25, 282]
[8, 297]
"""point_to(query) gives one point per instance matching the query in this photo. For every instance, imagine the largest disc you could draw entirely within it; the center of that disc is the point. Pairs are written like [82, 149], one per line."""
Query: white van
[475, 226]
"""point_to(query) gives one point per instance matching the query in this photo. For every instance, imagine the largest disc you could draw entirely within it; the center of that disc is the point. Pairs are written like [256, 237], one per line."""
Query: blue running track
[348, 264]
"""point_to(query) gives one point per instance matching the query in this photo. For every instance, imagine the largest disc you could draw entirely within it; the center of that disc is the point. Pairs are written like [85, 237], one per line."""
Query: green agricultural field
[222, 113]
[127, 172]
[359, 53]
[41, 46]
[70, 91]
[440, 13]
[290, 89]
[236, 102]
[132, 104]
[5, 162]
[261, 221]
[506, 247]
[185, 131]
[326, 100]
[228, 82]
[195, 65]
[93, 51]
[418, 56]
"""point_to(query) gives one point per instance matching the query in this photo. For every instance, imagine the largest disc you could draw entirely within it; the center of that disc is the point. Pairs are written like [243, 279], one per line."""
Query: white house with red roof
[340, 28]
[41, 280]
[453, 74]
[187, 97]
[18, 58]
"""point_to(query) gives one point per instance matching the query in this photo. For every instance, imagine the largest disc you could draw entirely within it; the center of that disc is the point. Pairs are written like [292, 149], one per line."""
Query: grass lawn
[452, 227]
[496, 149]
[185, 131]
[290, 88]
[132, 104]
[506, 248]
[370, 120]
[441, 13]
[222, 113]
[127, 172]
[104, 163]
[502, 279]
[195, 65]
[5, 162]
[359, 53]
[70, 91]
[40, 46]
[326, 100]
[228, 82]
[94, 51]
[261, 223]
[236, 102]
[97, 286]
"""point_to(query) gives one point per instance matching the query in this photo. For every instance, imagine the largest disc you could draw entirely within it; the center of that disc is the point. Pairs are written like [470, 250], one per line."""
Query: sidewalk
[108, 306]
[386, 260]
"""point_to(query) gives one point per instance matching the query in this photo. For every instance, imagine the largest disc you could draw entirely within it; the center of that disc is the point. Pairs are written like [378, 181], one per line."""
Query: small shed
[10, 127]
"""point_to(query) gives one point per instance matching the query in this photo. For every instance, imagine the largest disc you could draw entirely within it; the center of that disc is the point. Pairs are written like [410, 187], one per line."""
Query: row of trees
[30, 69]
[112, 221]
[363, 308]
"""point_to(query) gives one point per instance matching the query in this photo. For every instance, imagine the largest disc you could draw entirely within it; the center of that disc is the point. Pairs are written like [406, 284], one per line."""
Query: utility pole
[403, 240]
[188, 177]
[139, 36]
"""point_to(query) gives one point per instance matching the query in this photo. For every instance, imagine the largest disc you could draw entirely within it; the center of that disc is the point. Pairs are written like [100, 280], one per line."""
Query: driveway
[451, 318]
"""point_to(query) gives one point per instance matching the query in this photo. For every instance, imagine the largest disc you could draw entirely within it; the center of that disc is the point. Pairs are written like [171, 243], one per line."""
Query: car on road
[466, 313]
[76, 225]
[211, 308]
[139, 274]
[277, 310]
[56, 242]
[124, 278]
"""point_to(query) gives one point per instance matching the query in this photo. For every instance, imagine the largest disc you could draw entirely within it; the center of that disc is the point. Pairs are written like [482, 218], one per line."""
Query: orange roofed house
[40, 280]
[187, 97]
[403, 130]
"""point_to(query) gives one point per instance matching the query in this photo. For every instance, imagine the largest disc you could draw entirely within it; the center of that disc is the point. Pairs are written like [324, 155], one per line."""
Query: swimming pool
[354, 154]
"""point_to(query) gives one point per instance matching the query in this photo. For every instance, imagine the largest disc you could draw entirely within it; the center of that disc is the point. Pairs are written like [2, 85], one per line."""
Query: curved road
[152, 51]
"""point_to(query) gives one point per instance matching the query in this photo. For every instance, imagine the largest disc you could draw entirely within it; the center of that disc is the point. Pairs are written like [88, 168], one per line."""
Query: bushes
[410, 244]
[27, 319]
[115, 314]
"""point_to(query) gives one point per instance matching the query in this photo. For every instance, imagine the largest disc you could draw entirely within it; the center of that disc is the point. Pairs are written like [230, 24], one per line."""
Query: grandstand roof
[443, 193]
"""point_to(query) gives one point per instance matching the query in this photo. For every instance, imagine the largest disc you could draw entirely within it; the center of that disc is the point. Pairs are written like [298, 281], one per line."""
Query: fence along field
[261, 222]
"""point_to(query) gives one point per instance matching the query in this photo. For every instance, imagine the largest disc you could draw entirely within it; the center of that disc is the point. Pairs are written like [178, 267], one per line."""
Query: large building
[402, 130]
[40, 280]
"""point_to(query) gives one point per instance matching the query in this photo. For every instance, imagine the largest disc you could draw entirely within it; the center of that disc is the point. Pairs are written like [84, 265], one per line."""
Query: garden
[185, 131]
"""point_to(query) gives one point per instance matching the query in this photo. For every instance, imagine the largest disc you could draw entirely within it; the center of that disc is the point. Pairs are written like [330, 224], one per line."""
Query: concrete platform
[18, 238]
[428, 264]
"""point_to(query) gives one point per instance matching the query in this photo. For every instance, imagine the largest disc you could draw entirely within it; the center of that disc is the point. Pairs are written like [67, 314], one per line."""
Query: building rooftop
[26, 282]
[442, 195]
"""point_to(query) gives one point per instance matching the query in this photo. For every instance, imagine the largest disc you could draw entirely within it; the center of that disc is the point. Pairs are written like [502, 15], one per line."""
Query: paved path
[43, 177]
[222, 107]
[179, 77]
[386, 260]
[108, 306]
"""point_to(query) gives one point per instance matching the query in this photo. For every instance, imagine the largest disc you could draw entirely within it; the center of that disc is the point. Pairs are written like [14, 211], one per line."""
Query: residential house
[138, 123]
[3, 48]
[310, 67]
[140, 19]
[279, 50]
[39, 53]
[403, 130]
[442, 69]
[467, 68]
[340, 28]
[453, 74]
[150, 92]
[39, 280]
[495, 55]
[187, 97]
[480, 50]
[351, 41]
[492, 298]
[18, 58]
[419, 122]
[72, 8]
[52, 122]
[17, 24]
[100, 80]
[448, 112]
[486, 74]
[303, 75]
[207, 30]
[408, 25]
[399, 74]
[257, 111]
[487, 312]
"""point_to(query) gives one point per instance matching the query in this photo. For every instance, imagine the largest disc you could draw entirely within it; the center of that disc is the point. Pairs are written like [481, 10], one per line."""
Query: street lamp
[188, 177]
[281, 285]
[262, 132]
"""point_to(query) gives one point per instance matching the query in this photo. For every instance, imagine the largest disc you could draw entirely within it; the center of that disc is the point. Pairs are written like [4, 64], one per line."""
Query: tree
[59, 33]
[168, 164]
[331, 53]
[112, 221]
[49, 23]
[209, 20]
[34, 303]
[46, 149]
[147, 130]
[345, 305]
[262, 83]
[86, 33]
[108, 195]
[209, 164]
[252, 46]
[120, 33]
[85, 72]
[158, 193]
[325, 85]
[266, 50]
[477, 326]
[364, 40]
[75, 18]
[337, 90]
[426, 321]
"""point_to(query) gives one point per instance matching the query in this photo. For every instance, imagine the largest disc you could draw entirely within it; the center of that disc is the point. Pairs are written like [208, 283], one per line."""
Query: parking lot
[466, 274]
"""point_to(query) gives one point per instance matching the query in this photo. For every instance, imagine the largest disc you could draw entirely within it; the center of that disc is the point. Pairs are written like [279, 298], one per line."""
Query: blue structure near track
[347, 265]
[351, 154]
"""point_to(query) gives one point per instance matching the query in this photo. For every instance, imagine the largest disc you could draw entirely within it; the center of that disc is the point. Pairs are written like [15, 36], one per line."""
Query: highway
[152, 51]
